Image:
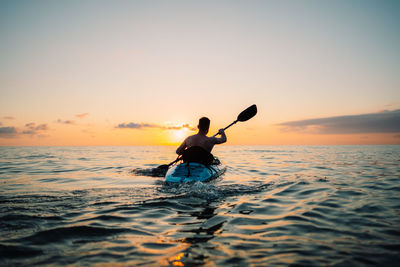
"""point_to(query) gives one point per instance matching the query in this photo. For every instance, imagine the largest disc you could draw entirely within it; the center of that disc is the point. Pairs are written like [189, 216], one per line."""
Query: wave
[212, 191]
[58, 235]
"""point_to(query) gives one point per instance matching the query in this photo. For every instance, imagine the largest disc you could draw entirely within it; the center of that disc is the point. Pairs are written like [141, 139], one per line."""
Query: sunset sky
[144, 72]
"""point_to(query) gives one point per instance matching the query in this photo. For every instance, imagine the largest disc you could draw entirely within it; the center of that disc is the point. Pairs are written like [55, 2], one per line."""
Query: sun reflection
[176, 260]
[177, 263]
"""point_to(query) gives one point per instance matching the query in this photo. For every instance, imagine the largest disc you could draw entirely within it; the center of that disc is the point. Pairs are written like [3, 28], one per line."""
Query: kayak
[191, 172]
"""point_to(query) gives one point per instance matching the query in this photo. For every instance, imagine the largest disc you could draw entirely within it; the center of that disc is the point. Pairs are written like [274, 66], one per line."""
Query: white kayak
[190, 172]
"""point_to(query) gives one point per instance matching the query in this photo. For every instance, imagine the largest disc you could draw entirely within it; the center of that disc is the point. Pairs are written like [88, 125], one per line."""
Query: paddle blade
[163, 167]
[248, 113]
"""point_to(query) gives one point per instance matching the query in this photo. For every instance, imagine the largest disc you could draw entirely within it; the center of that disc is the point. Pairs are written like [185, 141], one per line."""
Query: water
[275, 205]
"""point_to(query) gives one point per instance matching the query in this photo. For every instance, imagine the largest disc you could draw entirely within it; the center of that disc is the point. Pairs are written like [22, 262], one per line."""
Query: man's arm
[222, 139]
[181, 148]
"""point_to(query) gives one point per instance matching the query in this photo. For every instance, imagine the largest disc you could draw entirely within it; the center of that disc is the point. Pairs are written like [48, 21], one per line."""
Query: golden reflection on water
[164, 251]
[176, 260]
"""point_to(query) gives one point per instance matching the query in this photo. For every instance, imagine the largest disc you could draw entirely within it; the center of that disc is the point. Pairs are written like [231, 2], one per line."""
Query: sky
[143, 72]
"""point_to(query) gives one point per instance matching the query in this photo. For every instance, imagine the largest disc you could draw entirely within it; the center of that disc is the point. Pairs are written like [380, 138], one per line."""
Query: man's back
[200, 140]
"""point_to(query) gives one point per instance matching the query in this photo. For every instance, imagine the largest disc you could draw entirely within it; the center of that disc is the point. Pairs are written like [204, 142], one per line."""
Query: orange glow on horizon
[82, 135]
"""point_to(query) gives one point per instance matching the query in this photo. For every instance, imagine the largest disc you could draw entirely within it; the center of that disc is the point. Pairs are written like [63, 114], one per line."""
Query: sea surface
[275, 206]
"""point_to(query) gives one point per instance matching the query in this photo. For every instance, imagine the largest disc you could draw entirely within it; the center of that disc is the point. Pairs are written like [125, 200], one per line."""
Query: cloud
[82, 115]
[33, 129]
[66, 121]
[9, 118]
[187, 126]
[8, 132]
[133, 125]
[380, 122]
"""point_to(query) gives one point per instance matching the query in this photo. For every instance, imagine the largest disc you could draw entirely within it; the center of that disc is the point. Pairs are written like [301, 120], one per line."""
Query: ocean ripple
[294, 205]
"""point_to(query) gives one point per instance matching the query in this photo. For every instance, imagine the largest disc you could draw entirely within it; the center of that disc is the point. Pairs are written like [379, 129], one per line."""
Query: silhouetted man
[197, 147]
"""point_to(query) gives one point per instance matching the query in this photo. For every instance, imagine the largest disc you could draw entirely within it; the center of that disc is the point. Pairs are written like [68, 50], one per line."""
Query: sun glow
[180, 135]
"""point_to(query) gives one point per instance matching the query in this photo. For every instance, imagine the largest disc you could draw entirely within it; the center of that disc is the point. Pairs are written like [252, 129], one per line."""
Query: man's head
[204, 124]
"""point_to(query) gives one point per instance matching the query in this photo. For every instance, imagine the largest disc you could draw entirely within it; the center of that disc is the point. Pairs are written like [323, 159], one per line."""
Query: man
[197, 148]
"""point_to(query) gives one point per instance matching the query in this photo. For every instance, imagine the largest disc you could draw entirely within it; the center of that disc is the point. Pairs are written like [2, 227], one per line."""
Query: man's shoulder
[191, 136]
[211, 138]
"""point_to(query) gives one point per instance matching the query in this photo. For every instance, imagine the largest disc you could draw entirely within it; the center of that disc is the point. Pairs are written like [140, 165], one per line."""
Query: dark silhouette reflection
[207, 225]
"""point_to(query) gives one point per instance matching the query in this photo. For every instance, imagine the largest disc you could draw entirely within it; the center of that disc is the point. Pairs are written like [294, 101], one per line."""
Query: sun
[178, 132]
[179, 135]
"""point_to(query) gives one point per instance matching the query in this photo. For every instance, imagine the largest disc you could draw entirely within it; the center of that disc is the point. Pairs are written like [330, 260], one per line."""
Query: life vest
[197, 154]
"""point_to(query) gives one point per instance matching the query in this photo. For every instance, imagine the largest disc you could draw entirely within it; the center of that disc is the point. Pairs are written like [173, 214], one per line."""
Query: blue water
[275, 205]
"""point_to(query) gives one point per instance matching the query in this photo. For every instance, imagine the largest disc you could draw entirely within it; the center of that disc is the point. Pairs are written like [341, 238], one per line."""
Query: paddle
[245, 115]
[166, 166]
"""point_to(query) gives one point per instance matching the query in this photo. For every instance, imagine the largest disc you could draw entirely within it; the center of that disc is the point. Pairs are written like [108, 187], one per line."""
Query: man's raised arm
[222, 139]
